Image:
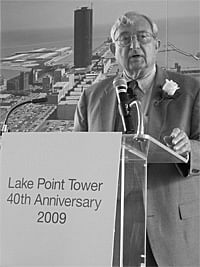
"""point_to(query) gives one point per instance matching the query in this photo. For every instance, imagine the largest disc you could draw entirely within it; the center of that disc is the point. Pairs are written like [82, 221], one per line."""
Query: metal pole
[122, 206]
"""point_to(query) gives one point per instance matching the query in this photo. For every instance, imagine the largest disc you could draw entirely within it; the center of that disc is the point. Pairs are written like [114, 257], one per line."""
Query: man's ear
[157, 44]
[112, 48]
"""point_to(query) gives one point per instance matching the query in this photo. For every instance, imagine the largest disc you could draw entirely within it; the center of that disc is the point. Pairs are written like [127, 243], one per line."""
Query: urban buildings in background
[83, 37]
[60, 75]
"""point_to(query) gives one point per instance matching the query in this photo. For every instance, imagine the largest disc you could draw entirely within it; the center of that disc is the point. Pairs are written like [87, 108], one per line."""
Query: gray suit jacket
[173, 214]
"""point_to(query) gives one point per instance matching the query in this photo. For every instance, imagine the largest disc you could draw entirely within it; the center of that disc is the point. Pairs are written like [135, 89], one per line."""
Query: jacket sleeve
[80, 117]
[193, 166]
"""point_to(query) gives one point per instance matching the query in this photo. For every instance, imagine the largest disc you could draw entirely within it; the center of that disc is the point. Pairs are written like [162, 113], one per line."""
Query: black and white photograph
[100, 133]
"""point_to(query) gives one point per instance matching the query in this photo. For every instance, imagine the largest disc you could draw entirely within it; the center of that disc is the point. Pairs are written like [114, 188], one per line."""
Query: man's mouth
[136, 56]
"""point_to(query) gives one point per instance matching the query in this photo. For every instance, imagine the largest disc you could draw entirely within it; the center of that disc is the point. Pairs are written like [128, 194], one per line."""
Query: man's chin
[136, 68]
[136, 63]
[136, 72]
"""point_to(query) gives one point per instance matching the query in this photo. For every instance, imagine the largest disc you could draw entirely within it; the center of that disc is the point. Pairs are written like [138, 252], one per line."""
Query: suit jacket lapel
[108, 104]
[157, 111]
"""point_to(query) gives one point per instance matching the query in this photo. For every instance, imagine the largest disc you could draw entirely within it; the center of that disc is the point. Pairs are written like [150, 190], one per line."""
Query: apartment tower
[82, 37]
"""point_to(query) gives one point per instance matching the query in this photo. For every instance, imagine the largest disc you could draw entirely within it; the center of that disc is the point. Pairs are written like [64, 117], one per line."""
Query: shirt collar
[146, 82]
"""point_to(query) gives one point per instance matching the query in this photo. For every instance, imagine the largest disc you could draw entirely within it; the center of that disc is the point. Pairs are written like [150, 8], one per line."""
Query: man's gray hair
[129, 19]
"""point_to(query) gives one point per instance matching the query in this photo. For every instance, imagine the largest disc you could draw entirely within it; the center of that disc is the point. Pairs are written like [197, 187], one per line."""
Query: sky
[43, 14]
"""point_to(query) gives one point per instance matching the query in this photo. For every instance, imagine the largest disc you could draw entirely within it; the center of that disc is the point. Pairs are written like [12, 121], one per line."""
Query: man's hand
[180, 141]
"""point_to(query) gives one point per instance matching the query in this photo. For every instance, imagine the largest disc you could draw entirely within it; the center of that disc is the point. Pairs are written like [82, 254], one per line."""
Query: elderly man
[173, 224]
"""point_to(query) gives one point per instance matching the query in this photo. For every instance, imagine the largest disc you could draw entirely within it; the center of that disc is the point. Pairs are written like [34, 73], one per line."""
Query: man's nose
[135, 44]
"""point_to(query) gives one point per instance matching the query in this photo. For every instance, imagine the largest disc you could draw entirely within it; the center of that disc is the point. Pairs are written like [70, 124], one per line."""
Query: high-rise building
[46, 83]
[58, 74]
[1, 80]
[13, 84]
[20, 82]
[24, 80]
[82, 37]
[33, 76]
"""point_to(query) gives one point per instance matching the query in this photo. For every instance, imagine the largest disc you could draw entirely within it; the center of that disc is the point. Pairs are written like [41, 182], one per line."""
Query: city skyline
[41, 14]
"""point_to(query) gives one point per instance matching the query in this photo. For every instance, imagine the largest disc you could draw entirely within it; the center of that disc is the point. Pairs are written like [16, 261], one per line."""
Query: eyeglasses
[126, 38]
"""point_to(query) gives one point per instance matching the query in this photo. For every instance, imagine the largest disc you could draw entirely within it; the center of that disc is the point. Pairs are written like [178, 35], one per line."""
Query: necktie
[135, 93]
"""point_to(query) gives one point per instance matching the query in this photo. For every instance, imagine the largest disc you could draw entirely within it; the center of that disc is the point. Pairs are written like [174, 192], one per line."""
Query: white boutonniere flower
[167, 92]
[170, 87]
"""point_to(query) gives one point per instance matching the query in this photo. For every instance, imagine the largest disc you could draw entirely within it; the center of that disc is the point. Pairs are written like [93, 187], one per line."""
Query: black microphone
[123, 104]
[39, 100]
[33, 101]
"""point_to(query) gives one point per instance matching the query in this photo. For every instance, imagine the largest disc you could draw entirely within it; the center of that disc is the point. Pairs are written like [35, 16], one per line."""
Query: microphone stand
[140, 125]
[32, 101]
[140, 137]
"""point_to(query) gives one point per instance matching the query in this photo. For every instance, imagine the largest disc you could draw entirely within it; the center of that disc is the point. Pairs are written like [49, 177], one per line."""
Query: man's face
[137, 58]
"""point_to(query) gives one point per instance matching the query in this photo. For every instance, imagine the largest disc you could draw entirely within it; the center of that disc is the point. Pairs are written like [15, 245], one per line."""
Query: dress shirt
[145, 84]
